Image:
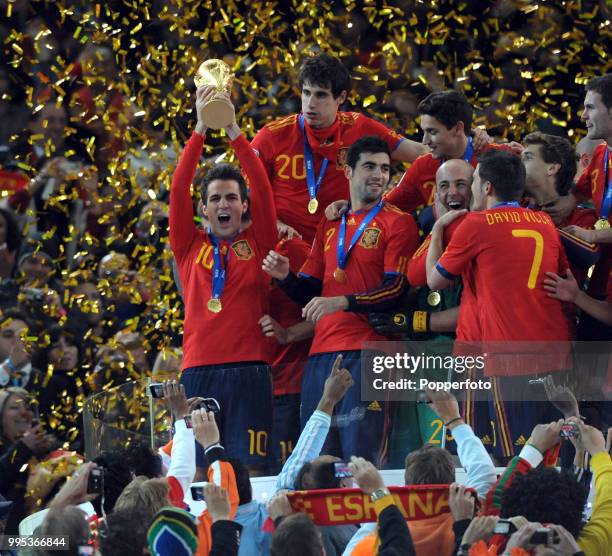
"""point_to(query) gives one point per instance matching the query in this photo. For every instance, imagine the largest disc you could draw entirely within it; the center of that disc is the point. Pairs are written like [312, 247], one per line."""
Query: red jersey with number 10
[280, 145]
[506, 251]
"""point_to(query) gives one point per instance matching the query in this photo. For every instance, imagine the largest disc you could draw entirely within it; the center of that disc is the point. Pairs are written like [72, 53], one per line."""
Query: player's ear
[488, 188]
[459, 128]
[348, 172]
[553, 169]
[341, 99]
[202, 209]
[245, 206]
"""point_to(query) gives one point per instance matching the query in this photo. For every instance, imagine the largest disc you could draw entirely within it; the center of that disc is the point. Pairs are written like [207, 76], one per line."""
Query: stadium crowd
[276, 274]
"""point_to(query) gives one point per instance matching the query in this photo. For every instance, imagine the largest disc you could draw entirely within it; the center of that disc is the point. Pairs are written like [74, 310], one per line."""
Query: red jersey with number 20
[280, 145]
[386, 245]
[506, 251]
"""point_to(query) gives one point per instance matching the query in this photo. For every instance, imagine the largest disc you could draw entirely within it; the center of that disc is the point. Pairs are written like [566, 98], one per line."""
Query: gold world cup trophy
[217, 112]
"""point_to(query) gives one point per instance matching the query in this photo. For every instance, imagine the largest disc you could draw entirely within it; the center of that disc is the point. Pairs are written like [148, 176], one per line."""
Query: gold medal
[214, 305]
[434, 298]
[602, 224]
[313, 205]
[340, 275]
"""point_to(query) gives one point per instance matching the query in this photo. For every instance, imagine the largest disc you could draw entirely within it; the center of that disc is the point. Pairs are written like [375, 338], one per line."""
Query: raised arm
[183, 230]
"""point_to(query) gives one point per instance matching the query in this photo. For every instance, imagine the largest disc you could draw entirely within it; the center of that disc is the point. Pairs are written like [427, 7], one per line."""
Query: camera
[197, 493]
[569, 430]
[156, 390]
[341, 470]
[544, 536]
[504, 527]
[208, 404]
[95, 481]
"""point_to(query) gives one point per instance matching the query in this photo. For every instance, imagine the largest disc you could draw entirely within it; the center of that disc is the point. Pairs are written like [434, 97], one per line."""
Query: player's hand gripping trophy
[218, 112]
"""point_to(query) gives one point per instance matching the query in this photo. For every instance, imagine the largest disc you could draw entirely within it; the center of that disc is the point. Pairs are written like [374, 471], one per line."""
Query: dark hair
[556, 150]
[546, 495]
[317, 474]
[505, 171]
[368, 144]
[117, 476]
[297, 535]
[325, 71]
[124, 532]
[142, 460]
[13, 233]
[13, 314]
[243, 481]
[449, 108]
[429, 465]
[223, 172]
[603, 86]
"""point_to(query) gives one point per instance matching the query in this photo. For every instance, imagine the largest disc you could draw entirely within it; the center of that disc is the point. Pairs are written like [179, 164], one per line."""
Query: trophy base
[218, 113]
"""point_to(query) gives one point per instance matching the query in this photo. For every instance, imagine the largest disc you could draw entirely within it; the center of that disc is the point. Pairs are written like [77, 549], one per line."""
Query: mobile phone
[504, 527]
[544, 536]
[341, 470]
[95, 481]
[156, 390]
[209, 404]
[197, 493]
[569, 430]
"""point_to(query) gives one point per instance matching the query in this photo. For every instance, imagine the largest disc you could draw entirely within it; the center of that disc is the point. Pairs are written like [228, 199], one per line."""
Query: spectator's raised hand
[521, 538]
[544, 437]
[561, 397]
[481, 528]
[74, 490]
[279, 506]
[175, 399]
[286, 232]
[205, 428]
[276, 265]
[592, 439]
[461, 502]
[445, 405]
[563, 289]
[335, 387]
[217, 502]
[365, 474]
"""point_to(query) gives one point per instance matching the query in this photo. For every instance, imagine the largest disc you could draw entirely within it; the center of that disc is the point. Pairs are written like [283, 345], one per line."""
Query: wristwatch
[379, 493]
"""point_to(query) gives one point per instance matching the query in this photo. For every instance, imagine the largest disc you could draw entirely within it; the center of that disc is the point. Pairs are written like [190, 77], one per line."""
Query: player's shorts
[244, 392]
[504, 421]
[358, 428]
[285, 430]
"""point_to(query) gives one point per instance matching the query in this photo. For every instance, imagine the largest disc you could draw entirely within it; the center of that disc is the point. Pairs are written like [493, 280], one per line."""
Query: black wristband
[452, 421]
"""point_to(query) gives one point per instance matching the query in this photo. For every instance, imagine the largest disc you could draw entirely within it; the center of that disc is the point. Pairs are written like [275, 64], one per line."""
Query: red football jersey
[281, 147]
[416, 187]
[417, 266]
[503, 254]
[233, 334]
[289, 360]
[591, 183]
[386, 245]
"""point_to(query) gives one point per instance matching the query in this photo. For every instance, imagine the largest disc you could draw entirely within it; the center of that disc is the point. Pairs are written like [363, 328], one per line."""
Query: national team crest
[341, 157]
[242, 249]
[369, 239]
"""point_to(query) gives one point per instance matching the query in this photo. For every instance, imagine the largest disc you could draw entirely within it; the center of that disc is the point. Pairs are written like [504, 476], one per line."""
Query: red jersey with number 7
[503, 255]
[280, 145]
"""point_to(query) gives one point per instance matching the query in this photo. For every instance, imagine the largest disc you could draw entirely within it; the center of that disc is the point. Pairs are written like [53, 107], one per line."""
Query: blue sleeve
[308, 447]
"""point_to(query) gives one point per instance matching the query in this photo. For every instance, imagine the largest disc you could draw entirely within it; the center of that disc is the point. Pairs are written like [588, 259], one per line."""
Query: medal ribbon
[606, 203]
[219, 273]
[343, 254]
[313, 184]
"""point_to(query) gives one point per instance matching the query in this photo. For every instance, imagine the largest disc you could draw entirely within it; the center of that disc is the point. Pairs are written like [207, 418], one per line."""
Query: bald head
[453, 184]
